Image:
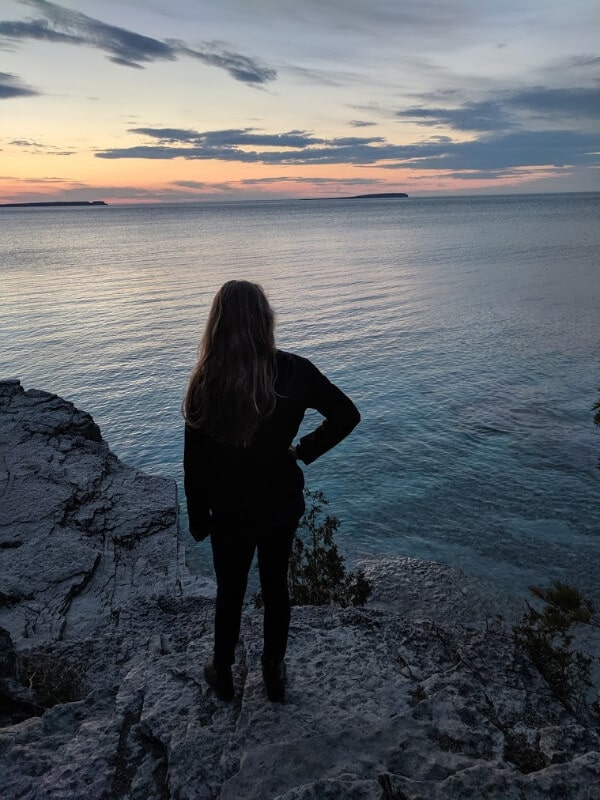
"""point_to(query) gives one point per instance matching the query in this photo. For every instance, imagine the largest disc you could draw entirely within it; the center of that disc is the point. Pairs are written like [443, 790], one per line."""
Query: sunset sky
[156, 101]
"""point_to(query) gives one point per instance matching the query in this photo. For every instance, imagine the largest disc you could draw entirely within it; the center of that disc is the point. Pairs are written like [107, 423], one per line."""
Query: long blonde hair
[232, 386]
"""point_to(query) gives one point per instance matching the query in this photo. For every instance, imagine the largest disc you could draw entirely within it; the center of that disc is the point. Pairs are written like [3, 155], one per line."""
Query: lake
[466, 330]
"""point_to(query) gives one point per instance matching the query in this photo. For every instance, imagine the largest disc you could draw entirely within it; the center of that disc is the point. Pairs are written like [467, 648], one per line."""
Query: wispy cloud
[323, 77]
[202, 185]
[190, 184]
[482, 116]
[577, 62]
[517, 173]
[416, 16]
[12, 86]
[44, 180]
[52, 188]
[242, 68]
[317, 181]
[38, 148]
[124, 47]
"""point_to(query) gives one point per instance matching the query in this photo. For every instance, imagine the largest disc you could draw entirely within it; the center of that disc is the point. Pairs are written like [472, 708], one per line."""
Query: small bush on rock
[51, 677]
[519, 751]
[317, 574]
[547, 638]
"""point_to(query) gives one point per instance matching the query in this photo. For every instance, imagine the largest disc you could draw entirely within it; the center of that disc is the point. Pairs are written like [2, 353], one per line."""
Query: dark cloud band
[511, 110]
[493, 151]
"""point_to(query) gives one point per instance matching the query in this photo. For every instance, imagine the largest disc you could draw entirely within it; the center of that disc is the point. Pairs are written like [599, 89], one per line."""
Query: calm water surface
[466, 330]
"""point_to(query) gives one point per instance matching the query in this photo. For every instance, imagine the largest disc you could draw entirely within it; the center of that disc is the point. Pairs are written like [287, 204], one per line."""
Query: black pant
[233, 550]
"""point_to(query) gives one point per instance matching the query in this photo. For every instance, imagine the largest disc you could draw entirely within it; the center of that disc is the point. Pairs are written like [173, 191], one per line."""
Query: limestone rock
[421, 695]
[81, 533]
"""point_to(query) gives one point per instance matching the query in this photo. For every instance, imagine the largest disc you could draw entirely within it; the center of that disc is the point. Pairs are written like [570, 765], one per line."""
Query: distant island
[54, 203]
[379, 195]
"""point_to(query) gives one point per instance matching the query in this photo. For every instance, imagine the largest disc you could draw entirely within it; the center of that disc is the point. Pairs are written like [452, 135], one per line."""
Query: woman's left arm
[341, 415]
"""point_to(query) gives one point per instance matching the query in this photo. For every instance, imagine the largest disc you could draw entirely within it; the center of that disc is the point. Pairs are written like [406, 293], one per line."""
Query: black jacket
[263, 482]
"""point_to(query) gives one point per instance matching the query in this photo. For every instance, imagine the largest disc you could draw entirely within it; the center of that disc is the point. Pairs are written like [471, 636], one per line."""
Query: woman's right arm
[194, 472]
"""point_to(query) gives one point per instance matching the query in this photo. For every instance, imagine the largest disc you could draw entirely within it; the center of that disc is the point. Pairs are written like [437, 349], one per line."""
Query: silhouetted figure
[243, 407]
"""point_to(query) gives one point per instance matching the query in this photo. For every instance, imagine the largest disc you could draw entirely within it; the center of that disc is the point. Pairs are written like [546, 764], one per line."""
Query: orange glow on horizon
[121, 181]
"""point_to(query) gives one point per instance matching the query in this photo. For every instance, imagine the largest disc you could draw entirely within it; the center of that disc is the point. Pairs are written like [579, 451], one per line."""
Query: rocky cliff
[422, 694]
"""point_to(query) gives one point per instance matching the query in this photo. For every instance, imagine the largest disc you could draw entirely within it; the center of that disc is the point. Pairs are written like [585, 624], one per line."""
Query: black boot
[274, 678]
[220, 680]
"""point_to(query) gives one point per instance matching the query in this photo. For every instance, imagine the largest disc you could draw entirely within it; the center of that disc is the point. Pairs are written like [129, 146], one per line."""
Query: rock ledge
[421, 695]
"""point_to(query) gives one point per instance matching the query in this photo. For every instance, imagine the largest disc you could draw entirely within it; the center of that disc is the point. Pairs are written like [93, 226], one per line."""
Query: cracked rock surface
[420, 695]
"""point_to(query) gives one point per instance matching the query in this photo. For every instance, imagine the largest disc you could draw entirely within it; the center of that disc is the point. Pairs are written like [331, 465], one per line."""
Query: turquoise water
[465, 329]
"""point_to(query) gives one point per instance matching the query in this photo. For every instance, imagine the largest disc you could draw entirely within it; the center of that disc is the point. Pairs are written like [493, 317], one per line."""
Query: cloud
[202, 185]
[11, 86]
[37, 148]
[65, 189]
[39, 180]
[63, 25]
[25, 143]
[584, 61]
[124, 47]
[511, 110]
[314, 180]
[361, 123]
[501, 174]
[507, 150]
[36, 29]
[190, 184]
[240, 67]
[424, 17]
[293, 147]
[322, 77]
[482, 116]
[229, 138]
[494, 150]
[51, 188]
[577, 103]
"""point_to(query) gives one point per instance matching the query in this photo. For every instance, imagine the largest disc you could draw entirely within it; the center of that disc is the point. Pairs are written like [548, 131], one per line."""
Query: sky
[145, 101]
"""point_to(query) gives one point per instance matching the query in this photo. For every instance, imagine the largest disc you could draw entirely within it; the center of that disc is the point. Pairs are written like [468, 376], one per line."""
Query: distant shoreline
[54, 203]
[376, 196]
[371, 196]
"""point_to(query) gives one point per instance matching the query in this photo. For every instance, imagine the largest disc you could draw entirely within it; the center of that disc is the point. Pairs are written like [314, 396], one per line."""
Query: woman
[244, 404]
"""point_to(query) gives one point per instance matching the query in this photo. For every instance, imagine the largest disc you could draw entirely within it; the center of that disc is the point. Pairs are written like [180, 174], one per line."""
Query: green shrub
[317, 574]
[546, 636]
